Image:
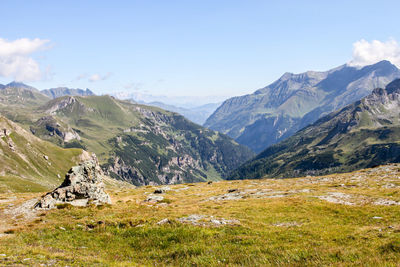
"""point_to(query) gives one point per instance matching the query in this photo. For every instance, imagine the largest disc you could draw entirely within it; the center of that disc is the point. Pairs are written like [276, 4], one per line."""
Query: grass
[296, 230]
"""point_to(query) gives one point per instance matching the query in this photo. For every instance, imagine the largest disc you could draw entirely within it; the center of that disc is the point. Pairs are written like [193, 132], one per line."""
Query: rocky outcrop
[83, 185]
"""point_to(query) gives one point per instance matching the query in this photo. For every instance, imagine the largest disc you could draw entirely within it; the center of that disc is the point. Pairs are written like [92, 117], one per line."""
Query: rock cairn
[83, 185]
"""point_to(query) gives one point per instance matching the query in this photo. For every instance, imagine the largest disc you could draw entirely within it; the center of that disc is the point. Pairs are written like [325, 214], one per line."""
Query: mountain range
[277, 111]
[363, 134]
[62, 91]
[136, 143]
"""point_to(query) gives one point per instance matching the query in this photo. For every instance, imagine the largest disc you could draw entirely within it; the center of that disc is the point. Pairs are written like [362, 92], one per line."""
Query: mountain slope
[363, 134]
[138, 143]
[29, 163]
[63, 91]
[277, 111]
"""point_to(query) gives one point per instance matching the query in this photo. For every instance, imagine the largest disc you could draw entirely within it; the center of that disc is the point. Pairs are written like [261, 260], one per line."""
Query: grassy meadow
[339, 220]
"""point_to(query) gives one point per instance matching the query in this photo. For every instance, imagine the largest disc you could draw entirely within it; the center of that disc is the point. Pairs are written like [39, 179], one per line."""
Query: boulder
[83, 185]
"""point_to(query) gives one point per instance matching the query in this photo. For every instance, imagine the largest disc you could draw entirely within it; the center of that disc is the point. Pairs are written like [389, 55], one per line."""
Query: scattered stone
[162, 190]
[228, 196]
[62, 228]
[164, 221]
[83, 185]
[46, 157]
[154, 198]
[232, 190]
[386, 202]
[376, 217]
[204, 220]
[209, 182]
[338, 198]
[3, 255]
[23, 210]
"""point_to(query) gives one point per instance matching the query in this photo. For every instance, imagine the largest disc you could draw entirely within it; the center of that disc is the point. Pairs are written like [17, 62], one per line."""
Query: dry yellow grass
[342, 219]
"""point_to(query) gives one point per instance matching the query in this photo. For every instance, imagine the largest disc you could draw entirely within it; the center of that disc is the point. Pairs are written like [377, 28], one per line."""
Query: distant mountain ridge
[198, 114]
[361, 135]
[63, 91]
[277, 111]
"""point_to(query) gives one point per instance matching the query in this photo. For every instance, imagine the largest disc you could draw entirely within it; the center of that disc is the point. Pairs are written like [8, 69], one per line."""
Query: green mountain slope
[29, 164]
[137, 143]
[363, 134]
[277, 111]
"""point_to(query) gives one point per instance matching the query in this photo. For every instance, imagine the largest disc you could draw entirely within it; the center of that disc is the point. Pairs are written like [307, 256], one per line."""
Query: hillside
[29, 164]
[137, 143]
[277, 111]
[363, 134]
[347, 219]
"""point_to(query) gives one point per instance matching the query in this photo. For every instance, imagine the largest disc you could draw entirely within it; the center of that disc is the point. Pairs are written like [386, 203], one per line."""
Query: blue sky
[188, 47]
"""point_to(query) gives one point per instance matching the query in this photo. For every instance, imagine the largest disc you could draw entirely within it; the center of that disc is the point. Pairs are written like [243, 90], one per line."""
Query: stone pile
[83, 185]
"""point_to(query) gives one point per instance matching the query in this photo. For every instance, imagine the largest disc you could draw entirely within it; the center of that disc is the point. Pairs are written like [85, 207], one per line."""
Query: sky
[188, 47]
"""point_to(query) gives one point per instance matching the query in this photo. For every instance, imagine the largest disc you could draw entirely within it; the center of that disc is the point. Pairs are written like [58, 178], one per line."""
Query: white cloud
[367, 53]
[98, 77]
[16, 60]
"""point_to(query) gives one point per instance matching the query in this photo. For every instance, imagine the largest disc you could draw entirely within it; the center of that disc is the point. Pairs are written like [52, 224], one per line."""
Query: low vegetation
[343, 219]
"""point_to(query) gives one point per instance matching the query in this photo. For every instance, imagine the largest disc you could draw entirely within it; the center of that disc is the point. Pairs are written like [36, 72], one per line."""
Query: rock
[338, 198]
[164, 221]
[83, 185]
[386, 202]
[205, 220]
[162, 190]
[154, 199]
[45, 157]
[209, 182]
[376, 217]
[228, 196]
[232, 190]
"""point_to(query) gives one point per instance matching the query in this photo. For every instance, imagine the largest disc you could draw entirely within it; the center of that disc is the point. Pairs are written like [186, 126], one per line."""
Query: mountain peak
[15, 84]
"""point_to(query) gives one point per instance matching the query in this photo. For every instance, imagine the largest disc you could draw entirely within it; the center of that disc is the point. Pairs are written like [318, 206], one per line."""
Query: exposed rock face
[294, 101]
[361, 135]
[83, 185]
